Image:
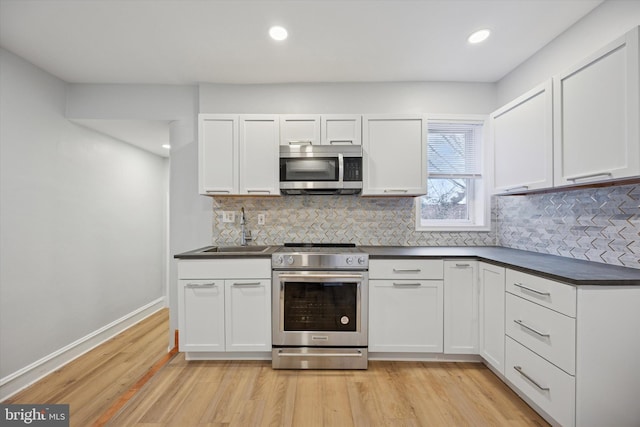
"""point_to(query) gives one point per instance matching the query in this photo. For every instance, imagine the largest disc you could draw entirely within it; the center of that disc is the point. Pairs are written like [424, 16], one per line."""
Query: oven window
[320, 306]
[316, 169]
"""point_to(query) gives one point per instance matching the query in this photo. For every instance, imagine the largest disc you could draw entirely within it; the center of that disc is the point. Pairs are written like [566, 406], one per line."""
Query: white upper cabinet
[341, 130]
[218, 154]
[523, 141]
[299, 129]
[394, 155]
[238, 155]
[259, 136]
[596, 116]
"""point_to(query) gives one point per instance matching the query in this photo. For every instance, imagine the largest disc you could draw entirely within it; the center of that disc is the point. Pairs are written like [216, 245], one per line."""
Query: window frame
[479, 199]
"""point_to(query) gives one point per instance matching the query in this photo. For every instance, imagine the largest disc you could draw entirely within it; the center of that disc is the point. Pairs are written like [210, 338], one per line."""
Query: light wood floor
[245, 393]
[250, 393]
[93, 382]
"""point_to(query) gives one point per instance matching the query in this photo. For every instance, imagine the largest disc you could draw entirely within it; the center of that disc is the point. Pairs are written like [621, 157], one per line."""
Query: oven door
[320, 308]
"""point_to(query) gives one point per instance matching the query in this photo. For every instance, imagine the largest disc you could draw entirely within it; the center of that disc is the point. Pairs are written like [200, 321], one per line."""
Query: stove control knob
[279, 260]
[361, 260]
[289, 260]
[349, 260]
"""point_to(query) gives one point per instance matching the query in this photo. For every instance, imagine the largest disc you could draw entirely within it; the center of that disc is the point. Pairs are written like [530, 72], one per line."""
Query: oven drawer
[550, 334]
[406, 269]
[547, 386]
[554, 295]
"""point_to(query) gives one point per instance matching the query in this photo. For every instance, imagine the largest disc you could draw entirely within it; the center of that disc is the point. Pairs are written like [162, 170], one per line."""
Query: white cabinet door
[461, 307]
[596, 116]
[201, 315]
[341, 130]
[405, 316]
[523, 142]
[248, 315]
[217, 154]
[394, 155]
[299, 129]
[492, 313]
[259, 152]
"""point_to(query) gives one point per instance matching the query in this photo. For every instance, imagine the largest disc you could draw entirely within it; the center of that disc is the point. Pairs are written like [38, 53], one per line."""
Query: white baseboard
[13, 383]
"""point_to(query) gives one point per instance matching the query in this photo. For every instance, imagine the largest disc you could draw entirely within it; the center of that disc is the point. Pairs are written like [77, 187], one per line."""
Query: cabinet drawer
[406, 269]
[234, 268]
[554, 295]
[547, 386]
[550, 334]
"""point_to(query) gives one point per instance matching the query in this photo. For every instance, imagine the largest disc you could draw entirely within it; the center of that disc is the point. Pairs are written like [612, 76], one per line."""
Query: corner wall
[81, 218]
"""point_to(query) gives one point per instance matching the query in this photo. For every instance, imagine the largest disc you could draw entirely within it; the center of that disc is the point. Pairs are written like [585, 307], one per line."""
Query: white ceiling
[222, 41]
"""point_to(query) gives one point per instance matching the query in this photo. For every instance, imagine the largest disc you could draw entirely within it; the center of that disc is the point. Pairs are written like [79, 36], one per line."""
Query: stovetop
[320, 255]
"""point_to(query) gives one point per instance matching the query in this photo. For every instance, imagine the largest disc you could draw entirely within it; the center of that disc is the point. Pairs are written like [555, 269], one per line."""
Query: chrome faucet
[246, 234]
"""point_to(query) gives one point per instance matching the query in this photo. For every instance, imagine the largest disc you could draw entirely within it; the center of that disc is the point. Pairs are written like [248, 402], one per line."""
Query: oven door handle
[357, 354]
[320, 276]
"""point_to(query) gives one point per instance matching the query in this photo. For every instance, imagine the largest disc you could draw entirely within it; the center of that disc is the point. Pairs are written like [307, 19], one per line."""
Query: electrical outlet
[228, 216]
[262, 218]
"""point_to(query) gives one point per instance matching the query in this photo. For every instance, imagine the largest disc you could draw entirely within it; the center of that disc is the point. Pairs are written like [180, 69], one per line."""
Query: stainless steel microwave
[320, 169]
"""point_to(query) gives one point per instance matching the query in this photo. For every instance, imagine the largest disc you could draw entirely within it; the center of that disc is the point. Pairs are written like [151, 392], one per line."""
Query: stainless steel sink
[238, 249]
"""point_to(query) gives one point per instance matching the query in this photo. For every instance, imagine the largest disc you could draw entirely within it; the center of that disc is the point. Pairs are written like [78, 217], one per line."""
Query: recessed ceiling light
[278, 33]
[167, 146]
[479, 36]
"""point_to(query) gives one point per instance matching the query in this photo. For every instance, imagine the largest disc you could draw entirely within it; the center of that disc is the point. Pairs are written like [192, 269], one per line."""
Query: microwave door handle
[340, 168]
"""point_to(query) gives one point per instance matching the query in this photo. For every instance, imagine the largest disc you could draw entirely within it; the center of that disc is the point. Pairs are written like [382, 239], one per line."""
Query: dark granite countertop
[573, 271]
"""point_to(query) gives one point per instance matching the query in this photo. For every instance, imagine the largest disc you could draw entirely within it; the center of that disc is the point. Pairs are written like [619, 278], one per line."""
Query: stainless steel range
[320, 307]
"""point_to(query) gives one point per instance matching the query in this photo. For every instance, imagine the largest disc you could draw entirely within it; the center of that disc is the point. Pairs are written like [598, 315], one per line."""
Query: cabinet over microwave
[320, 169]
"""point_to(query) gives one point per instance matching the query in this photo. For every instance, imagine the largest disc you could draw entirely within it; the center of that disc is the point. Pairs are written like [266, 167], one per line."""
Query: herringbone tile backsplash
[601, 225]
[597, 224]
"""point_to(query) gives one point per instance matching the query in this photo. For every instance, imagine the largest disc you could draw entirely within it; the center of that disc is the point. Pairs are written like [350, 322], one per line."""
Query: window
[455, 198]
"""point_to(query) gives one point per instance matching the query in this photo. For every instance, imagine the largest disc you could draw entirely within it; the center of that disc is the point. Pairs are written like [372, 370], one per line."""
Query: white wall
[605, 23]
[81, 221]
[344, 98]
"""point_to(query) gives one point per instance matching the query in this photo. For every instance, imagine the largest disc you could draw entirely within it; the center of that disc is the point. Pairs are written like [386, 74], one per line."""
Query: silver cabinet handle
[463, 265]
[218, 191]
[591, 175]
[520, 187]
[201, 285]
[534, 382]
[300, 142]
[407, 284]
[534, 330]
[520, 285]
[341, 141]
[396, 191]
[256, 190]
[246, 284]
[408, 270]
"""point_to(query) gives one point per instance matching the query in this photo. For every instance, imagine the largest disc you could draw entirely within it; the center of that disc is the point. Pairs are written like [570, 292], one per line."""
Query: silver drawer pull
[520, 285]
[406, 270]
[406, 284]
[341, 141]
[534, 382]
[396, 191]
[201, 285]
[283, 354]
[300, 142]
[534, 330]
[463, 265]
[255, 190]
[246, 284]
[218, 191]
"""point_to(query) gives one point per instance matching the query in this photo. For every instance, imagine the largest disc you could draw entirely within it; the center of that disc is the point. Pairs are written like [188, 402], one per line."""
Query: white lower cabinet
[406, 306]
[461, 307]
[224, 305]
[491, 307]
[573, 351]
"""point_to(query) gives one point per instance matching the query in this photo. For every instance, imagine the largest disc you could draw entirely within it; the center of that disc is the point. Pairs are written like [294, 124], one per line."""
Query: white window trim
[482, 221]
